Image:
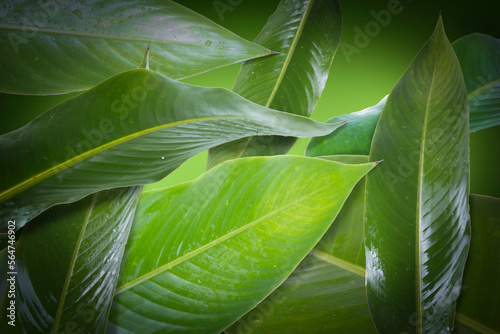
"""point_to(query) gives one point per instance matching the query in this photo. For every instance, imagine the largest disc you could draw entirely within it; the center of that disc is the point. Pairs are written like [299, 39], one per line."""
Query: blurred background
[357, 80]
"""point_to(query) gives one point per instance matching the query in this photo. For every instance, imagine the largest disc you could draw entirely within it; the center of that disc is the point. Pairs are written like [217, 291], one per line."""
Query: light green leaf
[203, 253]
[479, 57]
[311, 299]
[68, 262]
[132, 129]
[51, 47]
[353, 138]
[479, 304]
[307, 35]
[326, 292]
[417, 224]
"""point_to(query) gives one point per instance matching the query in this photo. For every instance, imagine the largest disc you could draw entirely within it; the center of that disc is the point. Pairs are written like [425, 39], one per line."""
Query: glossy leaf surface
[307, 35]
[355, 137]
[417, 224]
[61, 47]
[132, 129]
[203, 253]
[479, 303]
[326, 292]
[68, 263]
[479, 57]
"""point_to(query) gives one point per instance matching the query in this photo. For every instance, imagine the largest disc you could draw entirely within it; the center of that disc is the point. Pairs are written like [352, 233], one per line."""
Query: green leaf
[417, 224]
[307, 35]
[326, 292]
[68, 263]
[479, 303]
[60, 47]
[132, 129]
[479, 57]
[307, 300]
[203, 253]
[353, 138]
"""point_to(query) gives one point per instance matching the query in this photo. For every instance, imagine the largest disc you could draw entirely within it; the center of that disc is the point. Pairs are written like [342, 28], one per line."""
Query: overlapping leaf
[479, 57]
[353, 138]
[51, 47]
[307, 35]
[68, 264]
[203, 253]
[326, 292]
[416, 216]
[132, 129]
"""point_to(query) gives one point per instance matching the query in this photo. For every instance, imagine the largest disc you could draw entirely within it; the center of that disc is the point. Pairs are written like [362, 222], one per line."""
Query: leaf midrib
[33, 180]
[64, 292]
[53, 31]
[418, 237]
[286, 63]
[480, 89]
[211, 244]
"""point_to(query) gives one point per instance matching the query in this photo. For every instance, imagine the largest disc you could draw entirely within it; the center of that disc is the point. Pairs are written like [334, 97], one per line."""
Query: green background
[356, 80]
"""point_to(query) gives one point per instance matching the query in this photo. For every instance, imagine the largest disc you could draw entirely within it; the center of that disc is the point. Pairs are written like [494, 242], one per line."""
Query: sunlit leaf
[326, 292]
[203, 253]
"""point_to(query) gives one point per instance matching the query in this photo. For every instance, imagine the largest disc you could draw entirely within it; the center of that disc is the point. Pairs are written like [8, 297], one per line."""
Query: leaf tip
[271, 52]
[377, 162]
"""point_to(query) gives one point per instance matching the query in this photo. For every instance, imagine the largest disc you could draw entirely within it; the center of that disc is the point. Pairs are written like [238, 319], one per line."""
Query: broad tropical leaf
[132, 129]
[326, 292]
[68, 264]
[479, 303]
[417, 224]
[307, 35]
[353, 138]
[50, 47]
[203, 253]
[305, 302]
[479, 57]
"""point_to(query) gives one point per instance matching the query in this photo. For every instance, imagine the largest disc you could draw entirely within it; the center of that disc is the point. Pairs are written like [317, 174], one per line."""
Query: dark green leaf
[307, 35]
[132, 129]
[479, 57]
[203, 253]
[54, 47]
[479, 303]
[417, 224]
[68, 262]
